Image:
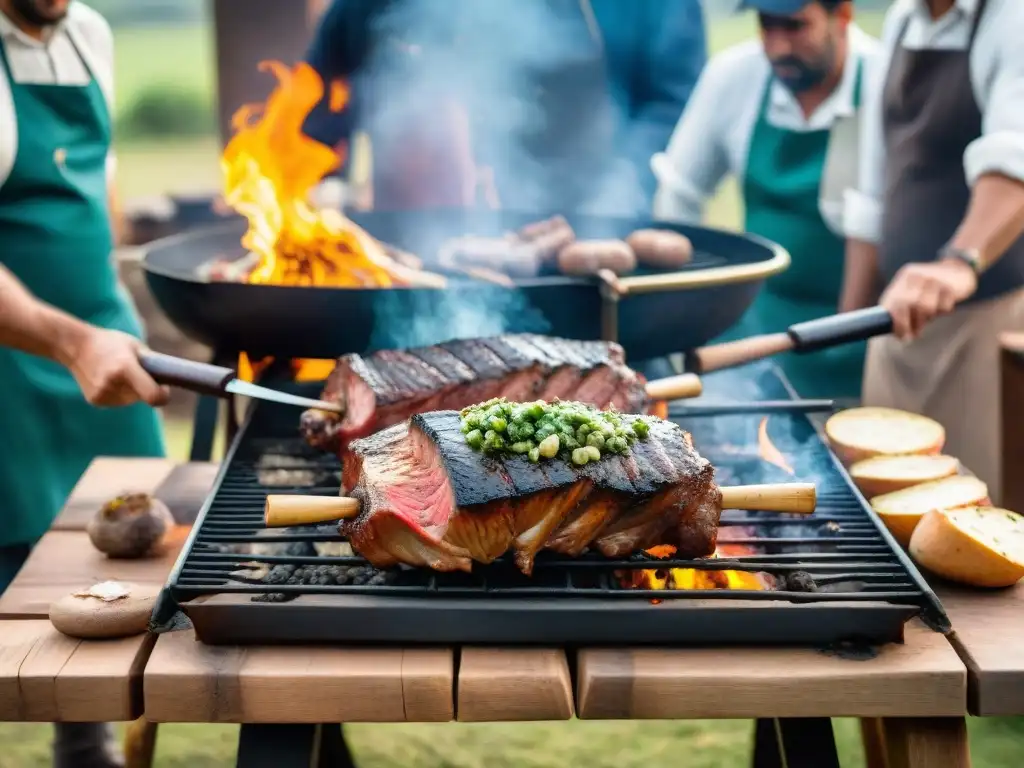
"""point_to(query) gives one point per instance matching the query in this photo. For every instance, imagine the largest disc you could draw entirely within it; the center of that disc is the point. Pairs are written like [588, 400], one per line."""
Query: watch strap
[969, 256]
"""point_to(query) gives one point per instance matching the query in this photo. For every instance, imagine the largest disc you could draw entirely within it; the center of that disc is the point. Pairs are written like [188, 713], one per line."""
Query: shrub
[164, 111]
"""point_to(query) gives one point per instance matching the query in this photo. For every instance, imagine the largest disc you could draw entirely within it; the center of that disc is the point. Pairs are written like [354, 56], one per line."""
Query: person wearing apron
[566, 99]
[793, 143]
[938, 218]
[56, 242]
[536, 106]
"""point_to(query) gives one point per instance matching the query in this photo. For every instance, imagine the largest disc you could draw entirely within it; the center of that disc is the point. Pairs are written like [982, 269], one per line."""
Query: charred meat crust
[429, 500]
[389, 386]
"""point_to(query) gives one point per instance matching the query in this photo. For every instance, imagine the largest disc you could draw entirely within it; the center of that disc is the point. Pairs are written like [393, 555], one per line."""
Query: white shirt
[997, 76]
[55, 61]
[712, 138]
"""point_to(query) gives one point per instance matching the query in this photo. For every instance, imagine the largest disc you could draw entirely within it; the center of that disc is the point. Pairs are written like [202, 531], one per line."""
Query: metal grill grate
[839, 559]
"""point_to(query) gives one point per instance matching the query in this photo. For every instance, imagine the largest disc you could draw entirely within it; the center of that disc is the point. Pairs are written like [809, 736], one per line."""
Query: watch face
[970, 257]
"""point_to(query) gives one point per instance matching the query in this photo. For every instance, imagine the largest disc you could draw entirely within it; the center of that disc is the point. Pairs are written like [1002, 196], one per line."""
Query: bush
[165, 111]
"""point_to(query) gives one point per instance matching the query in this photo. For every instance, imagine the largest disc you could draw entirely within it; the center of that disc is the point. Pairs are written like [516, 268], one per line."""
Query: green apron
[781, 192]
[56, 238]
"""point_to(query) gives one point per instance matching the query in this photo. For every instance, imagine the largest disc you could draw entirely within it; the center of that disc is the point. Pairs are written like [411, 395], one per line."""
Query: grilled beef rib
[428, 499]
[389, 386]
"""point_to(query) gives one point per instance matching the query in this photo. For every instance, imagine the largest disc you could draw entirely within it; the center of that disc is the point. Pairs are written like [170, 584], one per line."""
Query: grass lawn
[179, 57]
[184, 57]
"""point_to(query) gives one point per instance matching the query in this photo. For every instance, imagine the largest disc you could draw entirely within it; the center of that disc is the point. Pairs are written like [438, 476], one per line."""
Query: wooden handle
[203, 378]
[283, 511]
[675, 387]
[733, 353]
[794, 498]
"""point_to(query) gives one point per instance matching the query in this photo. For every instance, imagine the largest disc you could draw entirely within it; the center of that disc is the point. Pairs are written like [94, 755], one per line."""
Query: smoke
[730, 441]
[414, 318]
[532, 77]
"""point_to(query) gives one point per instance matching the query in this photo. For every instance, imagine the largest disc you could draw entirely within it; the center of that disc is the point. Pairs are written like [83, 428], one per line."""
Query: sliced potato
[901, 511]
[887, 474]
[106, 610]
[978, 546]
[860, 433]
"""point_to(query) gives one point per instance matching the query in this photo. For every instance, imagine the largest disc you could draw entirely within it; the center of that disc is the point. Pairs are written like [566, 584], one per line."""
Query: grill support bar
[795, 742]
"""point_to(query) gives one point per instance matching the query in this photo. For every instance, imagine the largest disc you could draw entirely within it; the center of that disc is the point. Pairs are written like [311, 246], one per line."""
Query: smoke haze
[531, 74]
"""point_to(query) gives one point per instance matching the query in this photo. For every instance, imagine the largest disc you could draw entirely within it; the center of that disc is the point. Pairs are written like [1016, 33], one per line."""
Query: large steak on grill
[428, 499]
[389, 386]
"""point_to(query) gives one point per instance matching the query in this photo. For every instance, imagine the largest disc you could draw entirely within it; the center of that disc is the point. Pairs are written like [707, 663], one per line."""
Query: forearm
[861, 286]
[32, 326]
[994, 219]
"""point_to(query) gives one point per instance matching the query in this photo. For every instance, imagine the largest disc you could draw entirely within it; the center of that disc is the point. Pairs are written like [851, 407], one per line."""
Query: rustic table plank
[47, 677]
[987, 629]
[923, 677]
[509, 684]
[187, 681]
[105, 478]
[66, 560]
[428, 676]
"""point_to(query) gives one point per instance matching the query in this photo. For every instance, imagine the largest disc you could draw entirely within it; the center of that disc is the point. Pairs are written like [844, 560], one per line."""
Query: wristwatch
[969, 256]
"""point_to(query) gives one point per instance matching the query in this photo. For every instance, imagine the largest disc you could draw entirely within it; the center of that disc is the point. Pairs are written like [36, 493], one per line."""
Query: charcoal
[800, 581]
[321, 576]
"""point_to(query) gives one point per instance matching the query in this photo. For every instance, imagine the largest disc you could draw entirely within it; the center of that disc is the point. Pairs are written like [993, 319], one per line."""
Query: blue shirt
[609, 103]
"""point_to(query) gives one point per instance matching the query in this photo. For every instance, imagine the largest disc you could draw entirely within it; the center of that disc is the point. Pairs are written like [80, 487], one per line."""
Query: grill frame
[438, 612]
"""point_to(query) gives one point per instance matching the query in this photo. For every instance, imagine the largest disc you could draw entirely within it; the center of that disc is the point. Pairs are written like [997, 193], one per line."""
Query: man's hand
[106, 366]
[921, 292]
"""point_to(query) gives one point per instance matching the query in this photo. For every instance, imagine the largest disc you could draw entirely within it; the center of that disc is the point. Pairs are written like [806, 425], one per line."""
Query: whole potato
[132, 525]
[661, 248]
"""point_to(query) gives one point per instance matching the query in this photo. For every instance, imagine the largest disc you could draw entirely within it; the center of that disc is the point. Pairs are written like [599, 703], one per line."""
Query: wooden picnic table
[917, 691]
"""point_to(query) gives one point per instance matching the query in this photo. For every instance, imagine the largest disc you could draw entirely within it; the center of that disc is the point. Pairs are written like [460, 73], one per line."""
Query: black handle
[203, 378]
[843, 328]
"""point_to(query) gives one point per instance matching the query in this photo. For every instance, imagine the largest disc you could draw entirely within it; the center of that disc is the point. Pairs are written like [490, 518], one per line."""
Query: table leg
[292, 746]
[140, 744]
[872, 736]
[927, 742]
[795, 742]
[766, 745]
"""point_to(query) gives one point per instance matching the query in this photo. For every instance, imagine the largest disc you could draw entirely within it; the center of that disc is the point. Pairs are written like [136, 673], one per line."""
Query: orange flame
[270, 168]
[690, 578]
[766, 449]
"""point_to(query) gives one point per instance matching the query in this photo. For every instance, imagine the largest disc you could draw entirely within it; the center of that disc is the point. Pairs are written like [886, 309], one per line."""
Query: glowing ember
[766, 449]
[302, 369]
[690, 578]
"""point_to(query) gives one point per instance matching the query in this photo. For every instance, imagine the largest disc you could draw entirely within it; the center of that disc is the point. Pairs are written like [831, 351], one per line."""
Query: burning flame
[270, 168]
[690, 578]
[766, 449]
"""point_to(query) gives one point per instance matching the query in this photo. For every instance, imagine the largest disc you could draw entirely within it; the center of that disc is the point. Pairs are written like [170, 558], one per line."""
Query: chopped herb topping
[571, 431]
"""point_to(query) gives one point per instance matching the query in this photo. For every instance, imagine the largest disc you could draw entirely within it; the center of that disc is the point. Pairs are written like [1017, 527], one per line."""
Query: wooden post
[247, 32]
[1012, 405]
